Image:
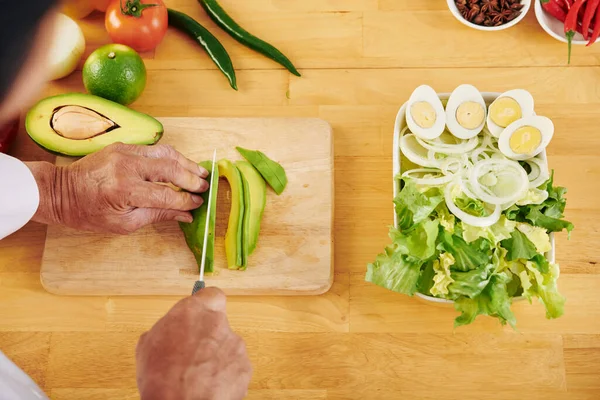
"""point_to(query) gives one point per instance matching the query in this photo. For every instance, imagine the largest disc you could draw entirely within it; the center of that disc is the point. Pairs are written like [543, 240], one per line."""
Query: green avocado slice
[272, 171]
[194, 232]
[234, 243]
[255, 200]
[77, 124]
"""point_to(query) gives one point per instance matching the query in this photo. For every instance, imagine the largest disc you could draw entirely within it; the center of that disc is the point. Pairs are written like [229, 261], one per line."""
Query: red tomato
[139, 24]
[8, 133]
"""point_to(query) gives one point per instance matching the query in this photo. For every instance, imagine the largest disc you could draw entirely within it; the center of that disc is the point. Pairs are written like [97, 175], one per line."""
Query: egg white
[525, 101]
[427, 94]
[545, 126]
[460, 95]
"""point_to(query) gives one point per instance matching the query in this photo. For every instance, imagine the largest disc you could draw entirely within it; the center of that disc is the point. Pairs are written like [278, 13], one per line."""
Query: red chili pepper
[590, 12]
[571, 23]
[596, 31]
[554, 8]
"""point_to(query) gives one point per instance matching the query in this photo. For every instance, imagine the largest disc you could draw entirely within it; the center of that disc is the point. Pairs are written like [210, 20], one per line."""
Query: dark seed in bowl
[489, 12]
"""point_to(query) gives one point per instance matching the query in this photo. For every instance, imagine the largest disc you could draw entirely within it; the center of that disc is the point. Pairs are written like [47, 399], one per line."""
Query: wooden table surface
[360, 60]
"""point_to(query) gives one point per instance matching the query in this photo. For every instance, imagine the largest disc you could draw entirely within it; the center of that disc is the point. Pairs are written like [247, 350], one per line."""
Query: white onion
[441, 180]
[66, 48]
[465, 188]
[485, 194]
[481, 222]
[451, 161]
[481, 151]
[440, 147]
[411, 153]
[543, 174]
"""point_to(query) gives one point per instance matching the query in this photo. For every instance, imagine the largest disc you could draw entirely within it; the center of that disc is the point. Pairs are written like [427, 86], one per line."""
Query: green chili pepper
[221, 18]
[211, 44]
[272, 171]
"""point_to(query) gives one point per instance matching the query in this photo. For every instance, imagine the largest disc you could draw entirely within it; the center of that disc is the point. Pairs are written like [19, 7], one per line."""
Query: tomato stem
[134, 8]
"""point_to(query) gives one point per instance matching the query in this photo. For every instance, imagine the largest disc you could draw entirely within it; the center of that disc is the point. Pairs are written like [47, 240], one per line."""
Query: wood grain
[360, 60]
[294, 255]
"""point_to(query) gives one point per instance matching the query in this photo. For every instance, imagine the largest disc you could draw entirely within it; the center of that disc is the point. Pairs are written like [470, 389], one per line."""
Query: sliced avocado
[234, 236]
[194, 232]
[255, 200]
[272, 171]
[77, 124]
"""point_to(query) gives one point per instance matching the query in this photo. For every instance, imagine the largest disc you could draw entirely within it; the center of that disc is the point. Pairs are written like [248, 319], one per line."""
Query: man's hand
[192, 353]
[115, 189]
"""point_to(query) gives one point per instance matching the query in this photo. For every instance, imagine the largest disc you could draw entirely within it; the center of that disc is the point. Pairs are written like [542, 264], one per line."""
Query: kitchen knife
[200, 282]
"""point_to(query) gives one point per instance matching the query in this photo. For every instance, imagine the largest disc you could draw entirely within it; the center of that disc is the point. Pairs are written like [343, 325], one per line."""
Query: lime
[115, 72]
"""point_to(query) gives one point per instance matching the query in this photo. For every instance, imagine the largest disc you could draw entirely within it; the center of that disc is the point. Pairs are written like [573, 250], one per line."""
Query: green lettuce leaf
[426, 280]
[399, 267]
[538, 279]
[442, 277]
[468, 256]
[446, 218]
[493, 301]
[470, 284]
[537, 235]
[549, 214]
[552, 224]
[471, 206]
[395, 271]
[413, 206]
[533, 196]
[419, 242]
[518, 246]
[499, 231]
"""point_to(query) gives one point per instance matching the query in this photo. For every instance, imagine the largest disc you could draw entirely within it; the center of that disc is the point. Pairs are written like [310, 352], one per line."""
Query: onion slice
[467, 218]
[440, 180]
[410, 148]
[440, 147]
[493, 164]
[543, 173]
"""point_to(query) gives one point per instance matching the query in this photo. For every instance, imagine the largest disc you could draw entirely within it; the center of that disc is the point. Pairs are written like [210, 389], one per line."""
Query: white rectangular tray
[400, 124]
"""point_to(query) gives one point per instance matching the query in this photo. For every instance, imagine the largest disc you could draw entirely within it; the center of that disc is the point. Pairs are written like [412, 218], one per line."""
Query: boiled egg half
[526, 138]
[425, 114]
[508, 108]
[465, 112]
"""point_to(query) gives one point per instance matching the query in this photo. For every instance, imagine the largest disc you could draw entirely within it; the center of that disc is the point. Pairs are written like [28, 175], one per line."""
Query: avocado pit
[80, 123]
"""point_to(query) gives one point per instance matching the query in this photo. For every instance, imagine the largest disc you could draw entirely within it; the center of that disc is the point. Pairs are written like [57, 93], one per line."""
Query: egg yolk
[470, 115]
[525, 140]
[505, 111]
[423, 114]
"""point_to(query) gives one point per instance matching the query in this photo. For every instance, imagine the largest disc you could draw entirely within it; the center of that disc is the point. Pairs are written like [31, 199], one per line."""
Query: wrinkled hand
[115, 189]
[192, 353]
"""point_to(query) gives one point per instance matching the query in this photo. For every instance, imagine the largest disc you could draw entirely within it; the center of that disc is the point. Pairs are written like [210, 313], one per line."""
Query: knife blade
[200, 282]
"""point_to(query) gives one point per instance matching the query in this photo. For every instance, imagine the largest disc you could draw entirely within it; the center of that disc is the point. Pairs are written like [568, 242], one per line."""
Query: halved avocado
[77, 124]
[255, 200]
[194, 232]
[234, 237]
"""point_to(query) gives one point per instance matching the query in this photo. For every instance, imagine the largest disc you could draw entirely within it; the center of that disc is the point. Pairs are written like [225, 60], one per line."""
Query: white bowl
[400, 124]
[554, 27]
[458, 16]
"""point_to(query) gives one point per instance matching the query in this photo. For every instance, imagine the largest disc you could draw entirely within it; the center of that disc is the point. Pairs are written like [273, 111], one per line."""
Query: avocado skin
[194, 231]
[234, 243]
[134, 127]
[255, 200]
[271, 171]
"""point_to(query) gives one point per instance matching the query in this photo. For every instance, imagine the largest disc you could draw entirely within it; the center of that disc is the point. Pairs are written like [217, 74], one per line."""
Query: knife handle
[199, 285]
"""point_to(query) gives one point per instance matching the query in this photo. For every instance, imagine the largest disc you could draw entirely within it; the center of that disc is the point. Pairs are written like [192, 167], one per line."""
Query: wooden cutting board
[294, 254]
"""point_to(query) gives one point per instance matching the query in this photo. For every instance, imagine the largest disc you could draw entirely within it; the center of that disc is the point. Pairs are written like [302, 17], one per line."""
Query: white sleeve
[15, 384]
[19, 195]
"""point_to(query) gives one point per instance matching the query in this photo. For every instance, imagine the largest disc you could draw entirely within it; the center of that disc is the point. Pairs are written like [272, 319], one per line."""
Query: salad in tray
[477, 205]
